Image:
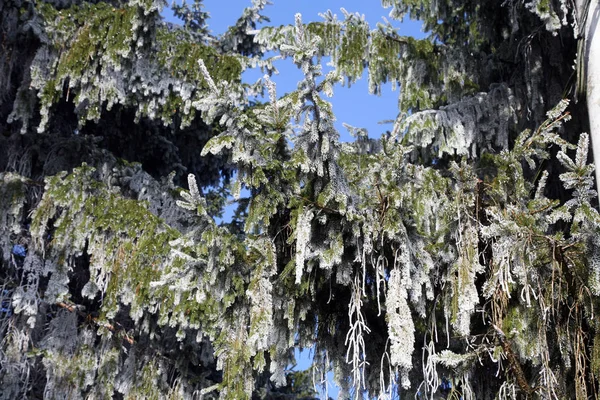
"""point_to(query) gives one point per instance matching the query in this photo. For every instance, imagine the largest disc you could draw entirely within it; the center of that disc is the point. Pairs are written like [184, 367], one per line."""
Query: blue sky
[353, 105]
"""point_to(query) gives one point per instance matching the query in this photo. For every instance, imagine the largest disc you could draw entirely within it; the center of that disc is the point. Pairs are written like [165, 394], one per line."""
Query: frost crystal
[400, 325]
[303, 231]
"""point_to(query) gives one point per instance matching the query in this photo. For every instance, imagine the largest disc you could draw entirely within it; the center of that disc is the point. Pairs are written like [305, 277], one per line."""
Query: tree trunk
[591, 68]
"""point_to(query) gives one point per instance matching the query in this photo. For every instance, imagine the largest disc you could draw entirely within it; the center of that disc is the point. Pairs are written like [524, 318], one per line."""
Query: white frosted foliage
[401, 327]
[544, 11]
[466, 126]
[467, 267]
[119, 283]
[260, 295]
[303, 234]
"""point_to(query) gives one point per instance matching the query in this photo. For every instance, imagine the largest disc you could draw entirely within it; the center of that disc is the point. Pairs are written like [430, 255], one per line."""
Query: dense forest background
[456, 256]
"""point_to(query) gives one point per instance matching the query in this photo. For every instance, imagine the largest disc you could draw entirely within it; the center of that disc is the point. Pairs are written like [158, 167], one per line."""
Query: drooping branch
[514, 363]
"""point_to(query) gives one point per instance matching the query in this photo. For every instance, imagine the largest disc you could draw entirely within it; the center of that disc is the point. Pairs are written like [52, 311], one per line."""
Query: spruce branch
[513, 361]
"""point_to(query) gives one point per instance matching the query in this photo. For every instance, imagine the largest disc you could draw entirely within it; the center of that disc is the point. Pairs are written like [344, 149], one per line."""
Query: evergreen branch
[397, 39]
[331, 210]
[542, 209]
[514, 362]
[405, 41]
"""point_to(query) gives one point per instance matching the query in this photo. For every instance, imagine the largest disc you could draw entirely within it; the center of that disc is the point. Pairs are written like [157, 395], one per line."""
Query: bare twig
[110, 327]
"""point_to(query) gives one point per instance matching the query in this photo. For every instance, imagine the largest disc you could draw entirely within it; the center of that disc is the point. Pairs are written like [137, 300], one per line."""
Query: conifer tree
[455, 256]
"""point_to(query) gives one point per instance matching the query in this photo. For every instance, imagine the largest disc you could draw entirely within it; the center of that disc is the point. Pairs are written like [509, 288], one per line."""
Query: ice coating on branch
[544, 10]
[465, 127]
[400, 325]
[303, 233]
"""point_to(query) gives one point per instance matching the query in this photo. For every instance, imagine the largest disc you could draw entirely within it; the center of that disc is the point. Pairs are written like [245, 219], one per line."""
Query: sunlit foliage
[456, 255]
